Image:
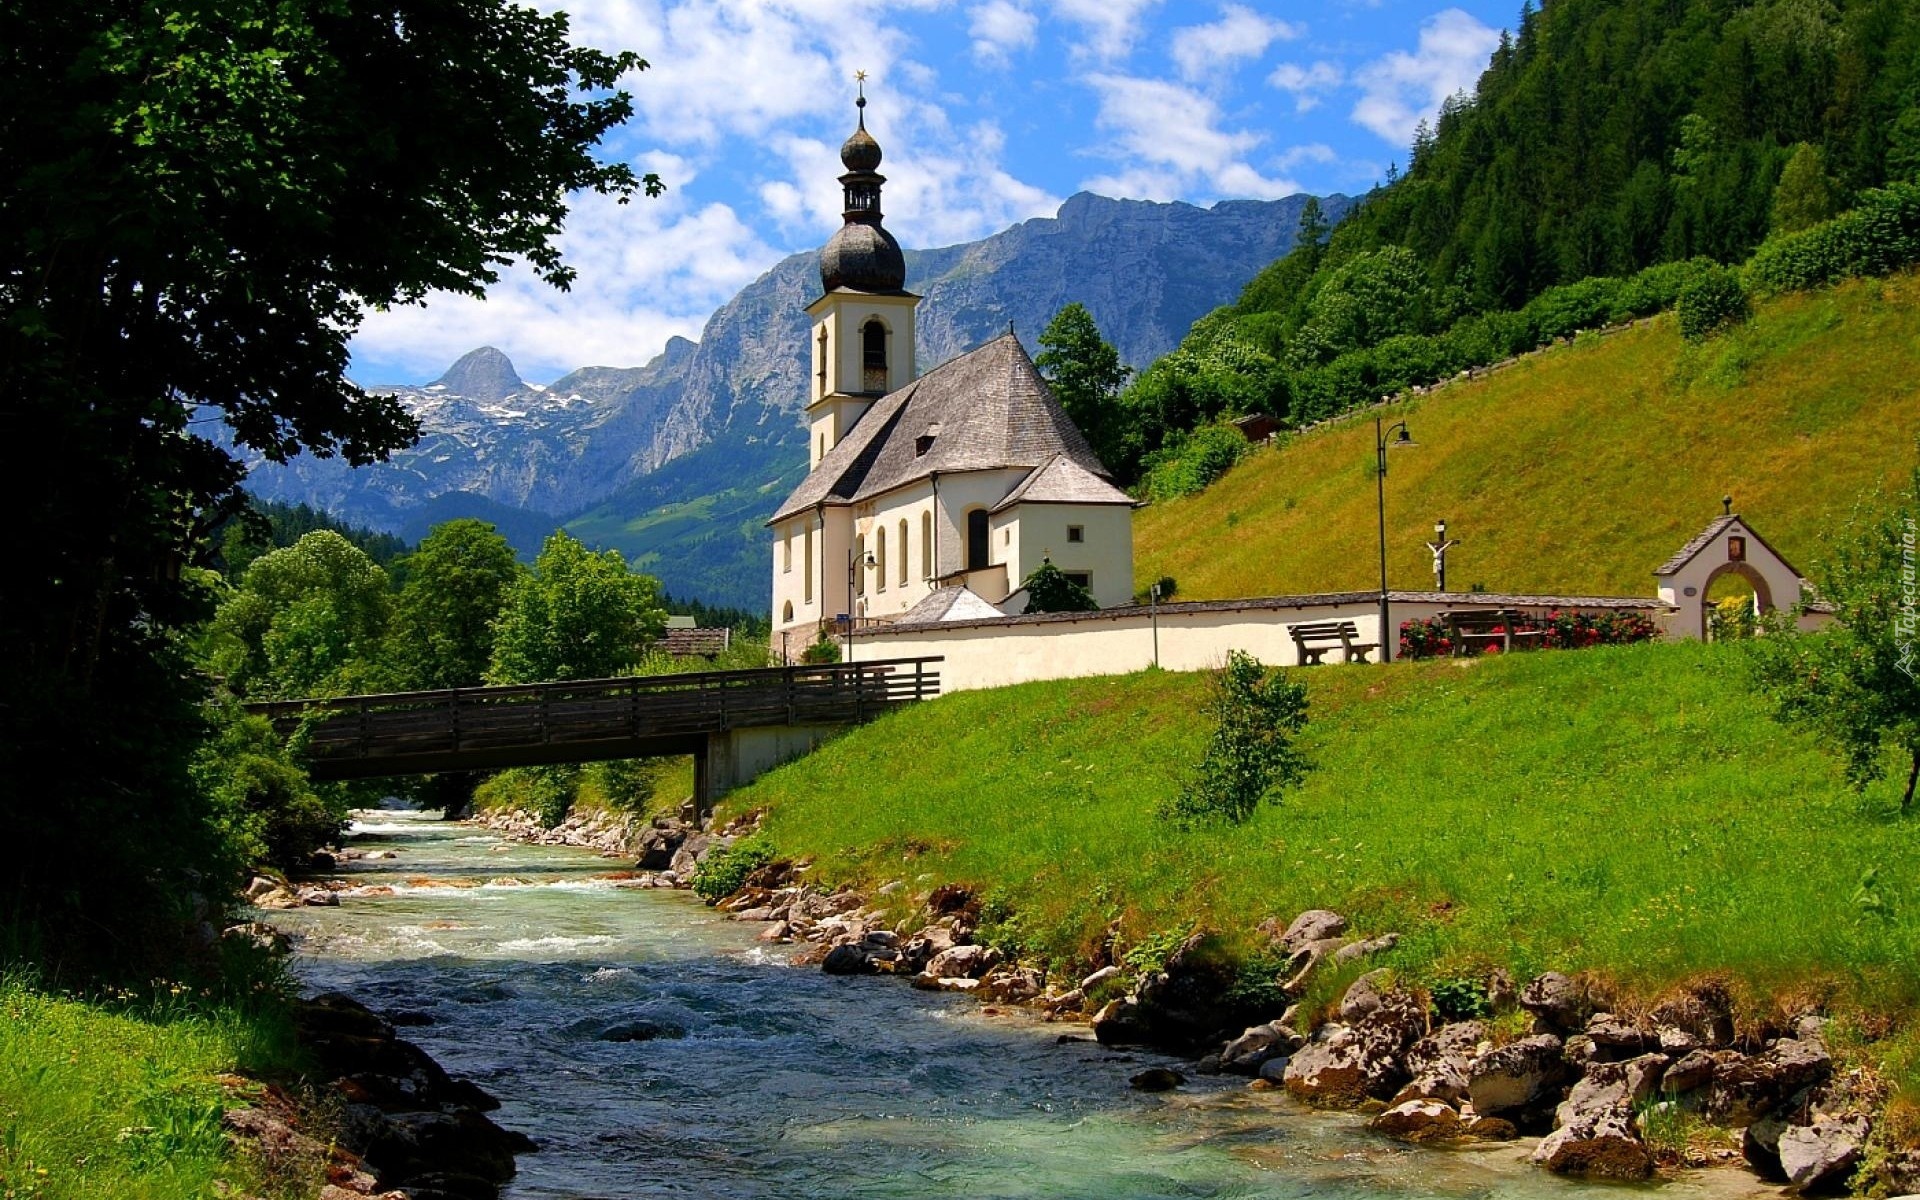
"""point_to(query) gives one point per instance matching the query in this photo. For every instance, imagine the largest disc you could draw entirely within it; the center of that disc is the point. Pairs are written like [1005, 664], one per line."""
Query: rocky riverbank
[378, 1117]
[1612, 1089]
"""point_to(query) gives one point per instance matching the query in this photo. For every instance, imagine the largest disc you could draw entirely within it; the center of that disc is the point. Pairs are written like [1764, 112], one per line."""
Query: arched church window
[860, 565]
[806, 594]
[880, 559]
[873, 356]
[786, 613]
[979, 549]
[903, 552]
[926, 545]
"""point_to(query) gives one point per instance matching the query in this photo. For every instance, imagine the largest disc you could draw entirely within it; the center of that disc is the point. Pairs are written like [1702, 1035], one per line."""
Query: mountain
[676, 463]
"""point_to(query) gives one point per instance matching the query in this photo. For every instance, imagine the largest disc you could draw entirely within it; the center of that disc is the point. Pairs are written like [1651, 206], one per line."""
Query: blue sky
[990, 112]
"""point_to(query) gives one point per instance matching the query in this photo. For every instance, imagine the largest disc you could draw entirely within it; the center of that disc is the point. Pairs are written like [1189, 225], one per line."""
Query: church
[931, 496]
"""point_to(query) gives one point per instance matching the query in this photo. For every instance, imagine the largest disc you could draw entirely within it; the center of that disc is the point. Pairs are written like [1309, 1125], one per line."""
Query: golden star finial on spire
[859, 76]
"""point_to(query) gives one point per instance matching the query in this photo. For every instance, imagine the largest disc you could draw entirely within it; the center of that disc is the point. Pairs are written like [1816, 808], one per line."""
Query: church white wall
[888, 596]
[1040, 531]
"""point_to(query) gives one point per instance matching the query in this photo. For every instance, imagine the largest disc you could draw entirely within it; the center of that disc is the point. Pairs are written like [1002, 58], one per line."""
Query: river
[511, 961]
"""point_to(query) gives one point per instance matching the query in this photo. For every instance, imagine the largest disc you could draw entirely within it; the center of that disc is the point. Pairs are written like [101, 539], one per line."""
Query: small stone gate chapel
[937, 492]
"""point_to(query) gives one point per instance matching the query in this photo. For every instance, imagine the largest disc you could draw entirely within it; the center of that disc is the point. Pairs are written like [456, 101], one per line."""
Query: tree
[1853, 684]
[1086, 375]
[1804, 195]
[1251, 754]
[1049, 590]
[309, 620]
[457, 585]
[201, 199]
[576, 615]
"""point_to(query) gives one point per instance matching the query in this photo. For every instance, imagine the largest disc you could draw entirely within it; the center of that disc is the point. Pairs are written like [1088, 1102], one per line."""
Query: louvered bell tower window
[873, 357]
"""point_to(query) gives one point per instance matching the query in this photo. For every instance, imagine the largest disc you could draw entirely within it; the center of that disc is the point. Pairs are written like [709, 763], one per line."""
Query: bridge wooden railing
[458, 724]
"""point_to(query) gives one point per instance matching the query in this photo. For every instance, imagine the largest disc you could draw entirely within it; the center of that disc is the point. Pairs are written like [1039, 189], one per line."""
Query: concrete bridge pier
[733, 758]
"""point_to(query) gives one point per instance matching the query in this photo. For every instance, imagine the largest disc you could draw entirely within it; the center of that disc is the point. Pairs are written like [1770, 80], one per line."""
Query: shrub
[1420, 638]
[1049, 590]
[723, 872]
[823, 652]
[1461, 999]
[1710, 302]
[1251, 753]
[1191, 462]
[1879, 236]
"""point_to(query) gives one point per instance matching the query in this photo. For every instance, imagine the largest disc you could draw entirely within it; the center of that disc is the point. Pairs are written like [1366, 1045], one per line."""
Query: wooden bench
[1473, 632]
[1314, 638]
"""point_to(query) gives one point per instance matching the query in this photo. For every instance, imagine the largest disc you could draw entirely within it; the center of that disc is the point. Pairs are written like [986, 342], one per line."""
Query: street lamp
[1402, 437]
[854, 563]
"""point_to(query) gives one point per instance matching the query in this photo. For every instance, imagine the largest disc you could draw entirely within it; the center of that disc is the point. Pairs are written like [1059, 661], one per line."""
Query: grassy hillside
[1580, 468]
[1630, 810]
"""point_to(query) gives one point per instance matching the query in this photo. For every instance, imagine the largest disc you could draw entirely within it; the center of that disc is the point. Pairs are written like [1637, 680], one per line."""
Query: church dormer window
[873, 356]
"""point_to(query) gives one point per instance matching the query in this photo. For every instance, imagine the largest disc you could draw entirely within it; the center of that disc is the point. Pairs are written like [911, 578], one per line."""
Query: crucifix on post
[1440, 545]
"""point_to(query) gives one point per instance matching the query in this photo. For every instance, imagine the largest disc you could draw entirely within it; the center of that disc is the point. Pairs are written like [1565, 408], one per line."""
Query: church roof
[984, 411]
[955, 603]
[1062, 481]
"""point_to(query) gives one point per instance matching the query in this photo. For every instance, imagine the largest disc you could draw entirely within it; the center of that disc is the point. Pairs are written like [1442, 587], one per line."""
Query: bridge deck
[472, 729]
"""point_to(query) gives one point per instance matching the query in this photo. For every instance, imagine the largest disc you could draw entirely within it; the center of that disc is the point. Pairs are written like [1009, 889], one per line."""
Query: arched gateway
[1728, 547]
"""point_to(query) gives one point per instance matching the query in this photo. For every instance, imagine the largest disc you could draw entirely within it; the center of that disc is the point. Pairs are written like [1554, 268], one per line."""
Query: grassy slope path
[1581, 468]
[1628, 809]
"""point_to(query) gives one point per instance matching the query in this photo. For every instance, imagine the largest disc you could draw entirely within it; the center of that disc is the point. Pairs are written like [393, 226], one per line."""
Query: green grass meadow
[1578, 470]
[122, 1100]
[1630, 810]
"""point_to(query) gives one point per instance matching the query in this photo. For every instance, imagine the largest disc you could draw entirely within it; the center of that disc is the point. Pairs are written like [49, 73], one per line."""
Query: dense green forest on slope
[1612, 146]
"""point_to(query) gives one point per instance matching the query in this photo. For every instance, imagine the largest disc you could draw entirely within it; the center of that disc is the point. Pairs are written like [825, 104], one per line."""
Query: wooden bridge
[736, 724]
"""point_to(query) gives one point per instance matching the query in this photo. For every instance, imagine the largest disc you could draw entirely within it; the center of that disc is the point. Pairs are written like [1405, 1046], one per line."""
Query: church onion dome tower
[862, 255]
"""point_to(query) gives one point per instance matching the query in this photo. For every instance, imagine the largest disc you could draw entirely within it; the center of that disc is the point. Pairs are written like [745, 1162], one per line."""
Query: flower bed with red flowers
[1565, 630]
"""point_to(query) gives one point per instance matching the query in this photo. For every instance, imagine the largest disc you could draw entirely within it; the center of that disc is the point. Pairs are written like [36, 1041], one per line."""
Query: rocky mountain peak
[485, 375]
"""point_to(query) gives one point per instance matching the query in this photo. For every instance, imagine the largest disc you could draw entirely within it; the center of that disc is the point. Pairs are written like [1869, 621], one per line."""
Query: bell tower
[862, 343]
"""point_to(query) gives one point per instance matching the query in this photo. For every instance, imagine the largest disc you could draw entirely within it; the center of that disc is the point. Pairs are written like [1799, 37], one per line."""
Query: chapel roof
[987, 410]
[1705, 537]
[953, 603]
[1060, 480]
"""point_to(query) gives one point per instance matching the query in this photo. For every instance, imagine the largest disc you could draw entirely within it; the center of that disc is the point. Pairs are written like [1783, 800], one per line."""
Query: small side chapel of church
[930, 497]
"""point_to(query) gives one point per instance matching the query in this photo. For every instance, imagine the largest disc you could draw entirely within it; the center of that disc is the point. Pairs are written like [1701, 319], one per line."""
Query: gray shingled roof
[1686, 553]
[986, 410]
[955, 603]
[1063, 481]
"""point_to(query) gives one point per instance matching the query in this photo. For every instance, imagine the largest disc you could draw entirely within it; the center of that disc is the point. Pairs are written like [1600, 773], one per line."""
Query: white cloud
[999, 28]
[1307, 83]
[1401, 88]
[1312, 152]
[1111, 25]
[1239, 34]
[1170, 143]
[648, 270]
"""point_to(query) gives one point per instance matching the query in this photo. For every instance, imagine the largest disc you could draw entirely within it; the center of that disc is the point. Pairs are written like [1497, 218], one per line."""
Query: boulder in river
[1516, 1076]
[1822, 1156]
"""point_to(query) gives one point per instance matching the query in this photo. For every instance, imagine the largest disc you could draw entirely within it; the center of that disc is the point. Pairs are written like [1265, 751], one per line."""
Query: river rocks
[1345, 1064]
[258, 934]
[1691, 1072]
[920, 949]
[414, 1127]
[1516, 1076]
[1009, 984]
[1156, 1079]
[1597, 1137]
[1557, 1001]
[1366, 948]
[1099, 977]
[1120, 1023]
[1746, 1088]
[1419, 1120]
[612, 834]
[1615, 1039]
[1439, 1063]
[962, 962]
[1314, 925]
[847, 959]
[1822, 1156]
[1258, 1045]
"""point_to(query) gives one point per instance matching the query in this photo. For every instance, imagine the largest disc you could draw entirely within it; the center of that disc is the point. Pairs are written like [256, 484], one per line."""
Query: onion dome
[862, 255]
